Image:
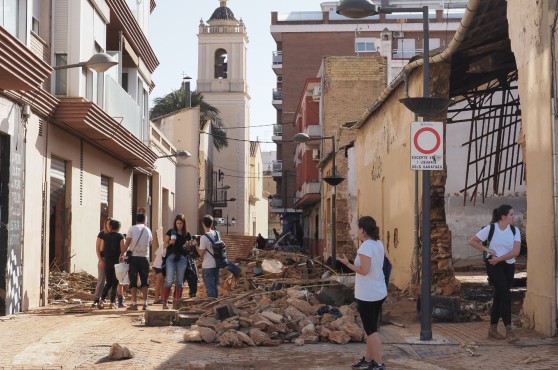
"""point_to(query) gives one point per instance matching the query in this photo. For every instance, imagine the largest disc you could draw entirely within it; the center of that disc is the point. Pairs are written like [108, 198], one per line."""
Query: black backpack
[486, 243]
[219, 251]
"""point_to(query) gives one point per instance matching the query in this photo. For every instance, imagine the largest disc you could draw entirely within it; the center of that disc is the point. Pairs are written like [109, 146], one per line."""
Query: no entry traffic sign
[427, 145]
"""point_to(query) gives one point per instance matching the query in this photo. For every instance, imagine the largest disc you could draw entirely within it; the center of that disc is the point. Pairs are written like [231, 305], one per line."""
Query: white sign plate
[427, 146]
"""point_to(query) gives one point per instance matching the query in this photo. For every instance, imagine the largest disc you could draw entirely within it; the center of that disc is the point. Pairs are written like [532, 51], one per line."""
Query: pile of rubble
[75, 287]
[261, 318]
[279, 297]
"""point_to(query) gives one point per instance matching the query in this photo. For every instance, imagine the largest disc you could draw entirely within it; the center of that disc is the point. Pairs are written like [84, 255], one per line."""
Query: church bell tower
[222, 50]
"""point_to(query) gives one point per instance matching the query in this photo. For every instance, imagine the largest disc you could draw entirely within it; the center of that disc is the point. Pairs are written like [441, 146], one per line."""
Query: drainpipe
[554, 160]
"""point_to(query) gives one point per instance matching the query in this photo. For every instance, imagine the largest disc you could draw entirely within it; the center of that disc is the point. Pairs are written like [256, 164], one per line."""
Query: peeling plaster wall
[386, 185]
[529, 30]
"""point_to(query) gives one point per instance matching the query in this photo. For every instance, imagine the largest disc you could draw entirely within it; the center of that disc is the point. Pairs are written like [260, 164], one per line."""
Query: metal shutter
[104, 190]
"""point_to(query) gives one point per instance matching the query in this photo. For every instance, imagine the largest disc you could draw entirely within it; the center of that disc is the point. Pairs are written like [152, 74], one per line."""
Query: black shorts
[138, 265]
[157, 270]
[369, 314]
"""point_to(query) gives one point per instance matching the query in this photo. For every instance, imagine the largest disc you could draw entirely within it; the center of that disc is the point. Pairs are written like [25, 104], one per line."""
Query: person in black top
[112, 248]
[176, 245]
[100, 261]
[261, 242]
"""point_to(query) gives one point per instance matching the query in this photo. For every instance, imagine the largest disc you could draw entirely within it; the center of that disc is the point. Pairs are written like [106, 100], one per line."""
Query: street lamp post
[425, 107]
[332, 180]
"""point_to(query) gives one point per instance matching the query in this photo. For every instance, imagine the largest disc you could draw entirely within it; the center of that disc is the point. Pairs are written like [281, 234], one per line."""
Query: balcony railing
[277, 58]
[277, 132]
[405, 54]
[119, 105]
[277, 94]
[277, 168]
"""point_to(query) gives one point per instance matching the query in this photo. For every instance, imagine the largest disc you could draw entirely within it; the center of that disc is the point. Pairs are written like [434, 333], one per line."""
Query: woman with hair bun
[370, 289]
[501, 242]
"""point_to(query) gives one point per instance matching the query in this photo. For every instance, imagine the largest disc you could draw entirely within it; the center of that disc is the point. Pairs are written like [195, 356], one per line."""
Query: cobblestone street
[52, 339]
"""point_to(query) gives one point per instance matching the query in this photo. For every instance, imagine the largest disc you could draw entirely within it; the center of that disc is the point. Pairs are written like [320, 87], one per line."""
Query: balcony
[277, 62]
[119, 105]
[405, 53]
[19, 68]
[277, 98]
[308, 195]
[277, 169]
[277, 133]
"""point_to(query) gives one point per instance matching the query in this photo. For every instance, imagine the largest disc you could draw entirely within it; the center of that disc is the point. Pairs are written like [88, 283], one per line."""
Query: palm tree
[176, 100]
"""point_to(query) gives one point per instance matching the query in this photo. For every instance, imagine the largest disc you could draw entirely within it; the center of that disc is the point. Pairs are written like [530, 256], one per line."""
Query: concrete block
[160, 317]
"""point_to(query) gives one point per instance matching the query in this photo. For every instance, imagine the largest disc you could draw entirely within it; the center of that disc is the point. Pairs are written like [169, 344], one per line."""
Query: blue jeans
[211, 281]
[175, 267]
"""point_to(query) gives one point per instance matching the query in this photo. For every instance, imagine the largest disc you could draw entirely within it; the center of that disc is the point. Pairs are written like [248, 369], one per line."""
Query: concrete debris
[118, 352]
[73, 288]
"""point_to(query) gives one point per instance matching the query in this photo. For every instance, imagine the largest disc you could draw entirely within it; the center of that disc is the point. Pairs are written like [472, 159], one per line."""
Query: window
[365, 45]
[61, 76]
[105, 199]
[221, 63]
[10, 16]
[125, 81]
[36, 15]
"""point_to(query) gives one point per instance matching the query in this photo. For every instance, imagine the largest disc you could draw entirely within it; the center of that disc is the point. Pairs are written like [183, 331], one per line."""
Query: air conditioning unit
[315, 154]
[398, 34]
[279, 78]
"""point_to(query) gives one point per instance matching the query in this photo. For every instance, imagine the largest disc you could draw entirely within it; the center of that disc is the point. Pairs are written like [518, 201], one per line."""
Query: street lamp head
[333, 180]
[426, 106]
[101, 62]
[233, 221]
[356, 8]
[301, 138]
[183, 154]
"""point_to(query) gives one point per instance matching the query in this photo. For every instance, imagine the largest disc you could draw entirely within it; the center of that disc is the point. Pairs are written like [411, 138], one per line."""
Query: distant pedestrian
[113, 248]
[159, 278]
[276, 234]
[100, 261]
[261, 242]
[176, 243]
[210, 272]
[370, 289]
[138, 241]
[503, 246]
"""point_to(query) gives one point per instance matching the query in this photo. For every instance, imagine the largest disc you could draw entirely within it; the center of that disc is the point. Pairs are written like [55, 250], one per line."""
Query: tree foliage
[176, 100]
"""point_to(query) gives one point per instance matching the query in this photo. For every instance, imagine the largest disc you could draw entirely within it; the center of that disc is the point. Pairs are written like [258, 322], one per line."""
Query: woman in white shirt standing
[370, 289]
[502, 249]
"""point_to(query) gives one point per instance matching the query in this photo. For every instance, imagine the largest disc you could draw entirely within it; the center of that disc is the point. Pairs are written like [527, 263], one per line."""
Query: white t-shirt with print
[502, 241]
[208, 260]
[372, 286]
[142, 247]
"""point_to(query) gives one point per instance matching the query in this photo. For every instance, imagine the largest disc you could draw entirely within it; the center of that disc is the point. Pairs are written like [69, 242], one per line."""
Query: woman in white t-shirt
[370, 289]
[502, 249]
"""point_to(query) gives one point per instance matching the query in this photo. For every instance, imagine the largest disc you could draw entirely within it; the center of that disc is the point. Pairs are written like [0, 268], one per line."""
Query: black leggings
[191, 276]
[369, 314]
[501, 277]
[111, 282]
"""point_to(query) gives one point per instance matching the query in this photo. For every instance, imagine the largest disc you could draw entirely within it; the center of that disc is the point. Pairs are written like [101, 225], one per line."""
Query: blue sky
[173, 36]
